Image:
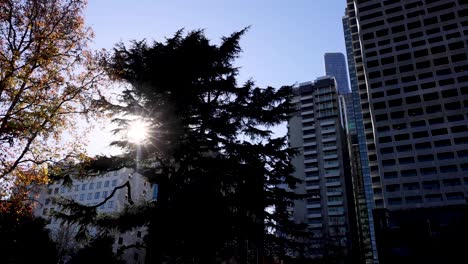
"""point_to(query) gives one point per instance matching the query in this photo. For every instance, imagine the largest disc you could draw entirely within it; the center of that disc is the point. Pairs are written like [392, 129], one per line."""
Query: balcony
[313, 205]
[311, 169]
[334, 203]
[328, 139]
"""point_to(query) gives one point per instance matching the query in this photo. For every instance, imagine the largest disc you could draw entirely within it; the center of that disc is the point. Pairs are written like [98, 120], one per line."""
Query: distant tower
[335, 65]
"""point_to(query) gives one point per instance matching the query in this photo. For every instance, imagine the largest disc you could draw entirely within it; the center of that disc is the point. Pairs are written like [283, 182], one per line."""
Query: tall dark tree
[220, 172]
[24, 239]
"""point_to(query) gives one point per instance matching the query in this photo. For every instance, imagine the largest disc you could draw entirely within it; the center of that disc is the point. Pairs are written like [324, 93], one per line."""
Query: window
[401, 137]
[90, 196]
[82, 197]
[106, 184]
[114, 182]
[455, 118]
[91, 186]
[413, 99]
[420, 134]
[428, 171]
[335, 199]
[394, 201]
[395, 102]
[459, 129]
[452, 182]
[390, 175]
[455, 196]
[425, 158]
[406, 160]
[389, 162]
[392, 188]
[462, 153]
[83, 187]
[409, 173]
[399, 126]
[385, 139]
[441, 143]
[387, 150]
[411, 186]
[448, 168]
[397, 115]
[445, 155]
[96, 195]
[98, 185]
[104, 194]
[413, 199]
[423, 145]
[77, 188]
[403, 148]
[431, 185]
[110, 204]
[433, 197]
[433, 109]
[438, 120]
[415, 112]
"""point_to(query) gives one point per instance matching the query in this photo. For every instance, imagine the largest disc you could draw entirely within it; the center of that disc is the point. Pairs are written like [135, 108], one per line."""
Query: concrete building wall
[93, 191]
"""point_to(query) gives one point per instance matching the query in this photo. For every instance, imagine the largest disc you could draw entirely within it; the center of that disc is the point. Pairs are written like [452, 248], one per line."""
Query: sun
[137, 132]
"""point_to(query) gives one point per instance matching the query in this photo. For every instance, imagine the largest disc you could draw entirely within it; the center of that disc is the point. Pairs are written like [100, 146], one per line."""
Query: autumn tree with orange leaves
[48, 79]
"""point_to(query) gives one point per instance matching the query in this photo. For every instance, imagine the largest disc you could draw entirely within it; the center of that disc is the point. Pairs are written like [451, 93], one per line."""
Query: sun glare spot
[137, 132]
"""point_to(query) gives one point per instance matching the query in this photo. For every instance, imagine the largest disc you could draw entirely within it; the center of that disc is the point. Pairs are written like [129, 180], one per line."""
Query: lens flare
[137, 132]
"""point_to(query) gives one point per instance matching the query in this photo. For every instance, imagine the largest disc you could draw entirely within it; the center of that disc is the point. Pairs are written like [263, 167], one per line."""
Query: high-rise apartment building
[317, 131]
[93, 191]
[411, 71]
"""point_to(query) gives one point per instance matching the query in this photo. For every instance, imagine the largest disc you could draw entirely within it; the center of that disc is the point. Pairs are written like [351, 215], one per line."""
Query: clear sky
[284, 46]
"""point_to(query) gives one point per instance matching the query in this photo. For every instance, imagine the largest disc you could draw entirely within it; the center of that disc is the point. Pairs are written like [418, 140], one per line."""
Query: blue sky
[284, 46]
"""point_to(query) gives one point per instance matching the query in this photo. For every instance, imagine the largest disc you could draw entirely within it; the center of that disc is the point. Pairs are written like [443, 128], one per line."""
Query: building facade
[317, 131]
[335, 65]
[410, 60]
[93, 191]
[362, 184]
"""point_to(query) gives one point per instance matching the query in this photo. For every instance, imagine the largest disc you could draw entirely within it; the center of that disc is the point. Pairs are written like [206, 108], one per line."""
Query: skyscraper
[317, 131]
[335, 65]
[362, 185]
[411, 65]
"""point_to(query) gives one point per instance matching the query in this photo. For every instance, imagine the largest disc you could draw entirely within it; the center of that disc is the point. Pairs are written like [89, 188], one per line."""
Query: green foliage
[98, 251]
[23, 239]
[48, 79]
[221, 174]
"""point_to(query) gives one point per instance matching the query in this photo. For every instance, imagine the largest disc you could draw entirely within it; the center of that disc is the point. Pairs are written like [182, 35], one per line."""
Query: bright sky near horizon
[284, 46]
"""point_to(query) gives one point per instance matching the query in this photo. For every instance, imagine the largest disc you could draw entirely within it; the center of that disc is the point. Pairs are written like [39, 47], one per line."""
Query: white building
[93, 191]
